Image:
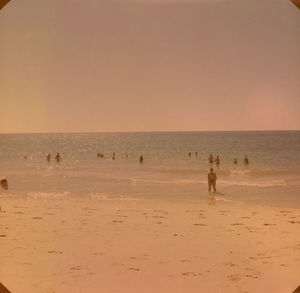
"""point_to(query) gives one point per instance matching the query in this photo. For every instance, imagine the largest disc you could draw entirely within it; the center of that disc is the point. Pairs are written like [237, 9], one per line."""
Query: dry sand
[66, 246]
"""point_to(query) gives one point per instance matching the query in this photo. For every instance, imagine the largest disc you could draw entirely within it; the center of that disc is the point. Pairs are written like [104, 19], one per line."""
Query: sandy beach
[90, 246]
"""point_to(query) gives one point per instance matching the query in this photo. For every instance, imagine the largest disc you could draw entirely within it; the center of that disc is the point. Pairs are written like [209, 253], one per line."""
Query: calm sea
[272, 176]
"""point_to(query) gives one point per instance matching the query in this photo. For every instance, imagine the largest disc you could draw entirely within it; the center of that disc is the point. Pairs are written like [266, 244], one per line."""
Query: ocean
[168, 172]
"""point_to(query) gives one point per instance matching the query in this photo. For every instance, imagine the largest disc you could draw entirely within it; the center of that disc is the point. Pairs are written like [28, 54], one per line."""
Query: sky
[149, 65]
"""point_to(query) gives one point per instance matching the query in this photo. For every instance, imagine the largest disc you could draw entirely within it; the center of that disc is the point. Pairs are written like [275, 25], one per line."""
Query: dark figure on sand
[4, 183]
[212, 180]
[246, 160]
[211, 159]
[217, 160]
[57, 157]
[141, 159]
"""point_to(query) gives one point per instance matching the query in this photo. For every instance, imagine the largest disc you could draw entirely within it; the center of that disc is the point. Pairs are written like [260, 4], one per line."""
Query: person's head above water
[211, 169]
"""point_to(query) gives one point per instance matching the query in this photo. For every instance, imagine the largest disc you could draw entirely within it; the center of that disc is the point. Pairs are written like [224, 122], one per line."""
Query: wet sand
[133, 246]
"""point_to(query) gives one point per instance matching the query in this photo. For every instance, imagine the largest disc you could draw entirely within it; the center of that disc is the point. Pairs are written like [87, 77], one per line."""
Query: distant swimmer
[57, 157]
[141, 159]
[48, 157]
[25, 157]
[190, 154]
[211, 159]
[246, 160]
[4, 183]
[235, 161]
[212, 180]
[217, 160]
[98, 155]
[113, 157]
[196, 154]
[126, 156]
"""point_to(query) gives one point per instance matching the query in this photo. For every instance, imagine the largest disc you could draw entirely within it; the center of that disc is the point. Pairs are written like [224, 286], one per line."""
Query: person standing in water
[141, 159]
[246, 160]
[235, 161]
[211, 159]
[212, 180]
[217, 160]
[48, 157]
[58, 157]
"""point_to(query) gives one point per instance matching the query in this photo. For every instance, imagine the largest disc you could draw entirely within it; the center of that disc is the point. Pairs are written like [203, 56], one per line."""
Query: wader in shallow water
[212, 180]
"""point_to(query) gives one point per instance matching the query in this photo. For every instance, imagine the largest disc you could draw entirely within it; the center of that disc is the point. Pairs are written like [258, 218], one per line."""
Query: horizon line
[153, 131]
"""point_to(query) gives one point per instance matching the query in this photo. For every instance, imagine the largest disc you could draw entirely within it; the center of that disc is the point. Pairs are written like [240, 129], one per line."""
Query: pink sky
[149, 65]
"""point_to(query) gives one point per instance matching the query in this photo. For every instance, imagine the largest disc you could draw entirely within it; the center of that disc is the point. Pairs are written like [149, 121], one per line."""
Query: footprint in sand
[134, 269]
[234, 277]
[98, 253]
[75, 268]
[159, 217]
[37, 218]
[185, 260]
[191, 274]
[54, 251]
[294, 222]
[230, 264]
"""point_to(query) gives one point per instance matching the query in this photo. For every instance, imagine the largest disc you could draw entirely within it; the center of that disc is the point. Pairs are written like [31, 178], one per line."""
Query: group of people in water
[57, 157]
[211, 160]
[212, 177]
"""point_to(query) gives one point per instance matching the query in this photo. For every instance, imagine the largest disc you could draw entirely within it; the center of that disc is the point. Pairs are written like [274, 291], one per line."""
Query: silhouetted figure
[212, 180]
[246, 160]
[4, 183]
[58, 157]
[126, 156]
[196, 154]
[211, 159]
[190, 154]
[235, 161]
[48, 157]
[98, 155]
[25, 157]
[113, 157]
[141, 159]
[217, 160]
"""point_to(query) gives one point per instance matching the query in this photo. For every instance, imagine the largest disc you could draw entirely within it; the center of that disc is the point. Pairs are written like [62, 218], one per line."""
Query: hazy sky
[148, 65]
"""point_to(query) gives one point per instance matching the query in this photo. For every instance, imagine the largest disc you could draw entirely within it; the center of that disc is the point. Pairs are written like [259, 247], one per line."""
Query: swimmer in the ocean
[57, 157]
[212, 180]
[4, 183]
[141, 159]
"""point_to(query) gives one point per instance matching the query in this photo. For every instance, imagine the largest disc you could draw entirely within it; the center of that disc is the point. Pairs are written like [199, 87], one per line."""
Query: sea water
[168, 172]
